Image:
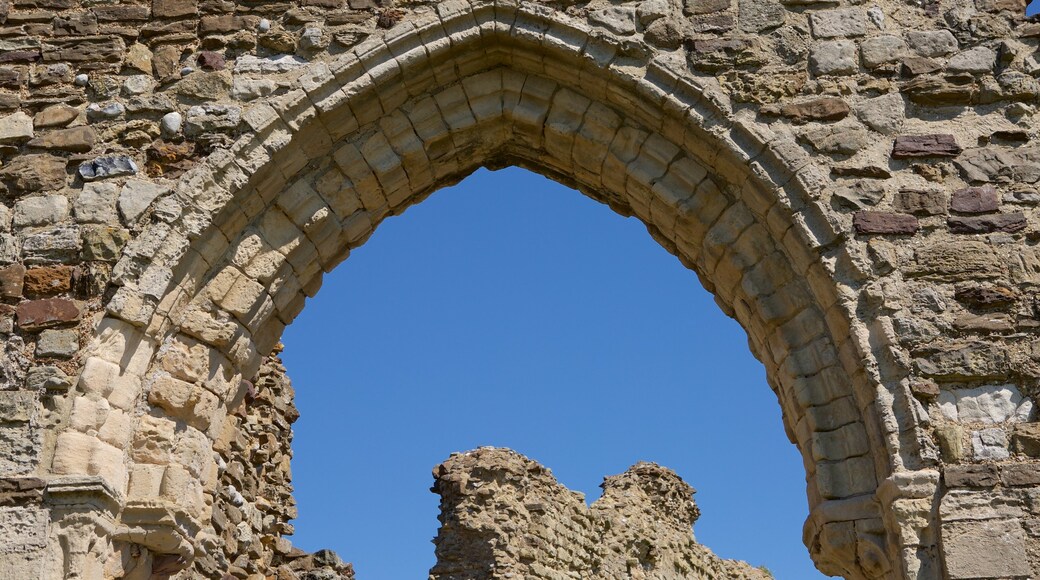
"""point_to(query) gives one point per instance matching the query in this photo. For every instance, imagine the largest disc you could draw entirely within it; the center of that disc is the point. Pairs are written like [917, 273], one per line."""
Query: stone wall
[855, 182]
[505, 516]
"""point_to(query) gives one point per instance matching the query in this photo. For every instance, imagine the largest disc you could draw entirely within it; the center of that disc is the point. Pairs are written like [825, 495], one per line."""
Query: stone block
[171, 394]
[990, 444]
[986, 404]
[12, 279]
[914, 146]
[982, 199]
[881, 50]
[840, 22]
[976, 60]
[57, 343]
[985, 549]
[987, 224]
[42, 210]
[970, 476]
[879, 222]
[46, 313]
[24, 528]
[1025, 439]
[932, 43]
[98, 376]
[96, 204]
[920, 202]
[48, 280]
[88, 413]
[153, 440]
[834, 57]
[1020, 474]
[17, 406]
[59, 244]
[962, 260]
[72, 453]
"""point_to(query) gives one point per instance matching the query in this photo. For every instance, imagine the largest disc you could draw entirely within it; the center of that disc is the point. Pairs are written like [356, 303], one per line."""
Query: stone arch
[240, 243]
[888, 291]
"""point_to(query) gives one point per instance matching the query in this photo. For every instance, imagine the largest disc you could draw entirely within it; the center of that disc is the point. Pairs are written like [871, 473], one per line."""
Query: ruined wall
[505, 516]
[855, 182]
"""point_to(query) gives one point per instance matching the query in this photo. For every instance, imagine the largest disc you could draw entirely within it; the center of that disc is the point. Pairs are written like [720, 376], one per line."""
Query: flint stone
[838, 23]
[210, 118]
[617, 19]
[977, 60]
[136, 85]
[881, 50]
[1025, 439]
[60, 244]
[834, 57]
[975, 200]
[269, 65]
[987, 224]
[12, 281]
[57, 343]
[911, 146]
[46, 313]
[41, 210]
[990, 444]
[16, 128]
[55, 116]
[917, 202]
[932, 43]
[209, 60]
[170, 124]
[822, 109]
[99, 112]
[1000, 165]
[106, 167]
[32, 173]
[987, 404]
[136, 196]
[75, 140]
[880, 222]
[97, 203]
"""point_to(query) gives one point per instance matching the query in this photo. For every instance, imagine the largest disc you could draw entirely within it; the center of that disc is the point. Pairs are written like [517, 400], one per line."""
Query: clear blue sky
[515, 312]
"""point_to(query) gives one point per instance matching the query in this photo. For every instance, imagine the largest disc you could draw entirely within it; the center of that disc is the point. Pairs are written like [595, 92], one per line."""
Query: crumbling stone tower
[855, 182]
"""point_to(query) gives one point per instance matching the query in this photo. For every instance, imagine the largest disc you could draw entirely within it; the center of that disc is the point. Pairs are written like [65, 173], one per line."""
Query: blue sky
[512, 311]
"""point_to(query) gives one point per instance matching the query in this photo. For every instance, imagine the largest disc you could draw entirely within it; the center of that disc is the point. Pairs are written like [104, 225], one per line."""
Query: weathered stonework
[856, 183]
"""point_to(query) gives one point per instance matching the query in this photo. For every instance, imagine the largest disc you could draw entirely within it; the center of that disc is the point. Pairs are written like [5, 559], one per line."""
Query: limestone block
[88, 414]
[136, 196]
[985, 549]
[990, 444]
[98, 376]
[17, 406]
[171, 394]
[153, 440]
[932, 43]
[57, 343]
[117, 429]
[23, 528]
[107, 461]
[40, 211]
[880, 50]
[834, 57]
[977, 60]
[16, 128]
[19, 448]
[145, 481]
[72, 453]
[986, 404]
[841, 22]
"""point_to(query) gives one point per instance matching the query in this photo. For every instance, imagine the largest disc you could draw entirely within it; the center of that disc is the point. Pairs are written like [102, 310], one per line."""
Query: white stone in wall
[990, 444]
[270, 65]
[987, 404]
[23, 528]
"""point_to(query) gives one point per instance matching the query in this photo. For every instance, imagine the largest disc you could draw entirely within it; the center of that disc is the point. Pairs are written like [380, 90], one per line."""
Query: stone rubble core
[505, 516]
[856, 183]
